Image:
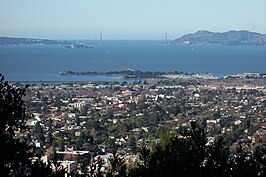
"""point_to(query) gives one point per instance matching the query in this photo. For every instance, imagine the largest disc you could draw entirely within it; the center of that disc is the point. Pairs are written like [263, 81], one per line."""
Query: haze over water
[34, 63]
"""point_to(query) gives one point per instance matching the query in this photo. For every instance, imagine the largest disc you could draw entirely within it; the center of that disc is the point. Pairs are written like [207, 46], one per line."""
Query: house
[31, 122]
[69, 166]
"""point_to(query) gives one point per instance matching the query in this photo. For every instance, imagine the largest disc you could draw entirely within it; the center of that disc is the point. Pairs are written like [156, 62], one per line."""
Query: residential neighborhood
[81, 121]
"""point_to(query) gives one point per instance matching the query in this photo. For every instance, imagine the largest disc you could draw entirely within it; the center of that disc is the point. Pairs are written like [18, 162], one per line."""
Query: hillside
[28, 41]
[204, 37]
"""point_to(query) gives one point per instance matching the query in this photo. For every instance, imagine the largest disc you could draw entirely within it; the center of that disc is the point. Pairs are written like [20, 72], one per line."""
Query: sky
[127, 19]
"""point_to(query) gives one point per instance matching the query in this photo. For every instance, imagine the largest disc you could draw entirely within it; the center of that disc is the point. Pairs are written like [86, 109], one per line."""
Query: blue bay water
[35, 63]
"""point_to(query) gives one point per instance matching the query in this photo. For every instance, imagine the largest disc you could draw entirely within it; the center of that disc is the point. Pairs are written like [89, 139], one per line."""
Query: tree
[188, 155]
[61, 143]
[132, 143]
[260, 156]
[77, 121]
[117, 166]
[38, 94]
[15, 155]
[93, 133]
[217, 164]
[49, 138]
[180, 155]
[38, 133]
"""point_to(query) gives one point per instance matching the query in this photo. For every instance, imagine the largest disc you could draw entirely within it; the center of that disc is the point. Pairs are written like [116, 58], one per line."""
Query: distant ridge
[203, 37]
[28, 41]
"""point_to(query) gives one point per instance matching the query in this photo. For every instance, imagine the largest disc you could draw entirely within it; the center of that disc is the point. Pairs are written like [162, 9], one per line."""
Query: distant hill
[204, 37]
[28, 41]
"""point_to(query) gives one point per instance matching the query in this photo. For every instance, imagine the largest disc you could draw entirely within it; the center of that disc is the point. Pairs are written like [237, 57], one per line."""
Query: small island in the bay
[233, 38]
[131, 74]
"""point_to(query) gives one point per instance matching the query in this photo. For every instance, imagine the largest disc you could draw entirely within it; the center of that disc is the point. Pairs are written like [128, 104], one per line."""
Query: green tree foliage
[15, 154]
[61, 143]
[117, 166]
[49, 138]
[188, 155]
[260, 157]
[77, 121]
[38, 133]
[132, 143]
[217, 164]
[243, 163]
[94, 169]
[16, 159]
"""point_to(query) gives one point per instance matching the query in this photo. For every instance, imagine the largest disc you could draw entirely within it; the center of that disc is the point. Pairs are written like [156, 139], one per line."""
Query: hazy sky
[127, 19]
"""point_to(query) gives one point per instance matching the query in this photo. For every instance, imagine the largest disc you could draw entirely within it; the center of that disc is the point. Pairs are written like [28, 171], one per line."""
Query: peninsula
[128, 74]
[232, 38]
[29, 41]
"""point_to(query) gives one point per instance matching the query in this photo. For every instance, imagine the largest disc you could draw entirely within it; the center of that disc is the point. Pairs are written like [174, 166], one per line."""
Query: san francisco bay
[45, 62]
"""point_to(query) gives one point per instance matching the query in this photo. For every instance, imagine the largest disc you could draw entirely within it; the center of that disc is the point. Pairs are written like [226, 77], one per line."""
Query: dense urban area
[82, 122]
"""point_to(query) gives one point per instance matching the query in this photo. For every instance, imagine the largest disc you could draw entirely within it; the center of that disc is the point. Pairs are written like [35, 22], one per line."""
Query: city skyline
[127, 19]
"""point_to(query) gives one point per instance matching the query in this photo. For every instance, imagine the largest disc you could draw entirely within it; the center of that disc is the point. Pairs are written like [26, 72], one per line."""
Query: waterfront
[35, 63]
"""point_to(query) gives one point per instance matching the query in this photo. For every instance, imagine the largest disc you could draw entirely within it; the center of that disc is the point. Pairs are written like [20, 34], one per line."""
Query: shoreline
[131, 74]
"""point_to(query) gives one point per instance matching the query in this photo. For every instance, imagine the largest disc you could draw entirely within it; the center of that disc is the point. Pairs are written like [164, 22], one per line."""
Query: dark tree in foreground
[16, 158]
[181, 155]
[117, 166]
[188, 155]
[15, 154]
